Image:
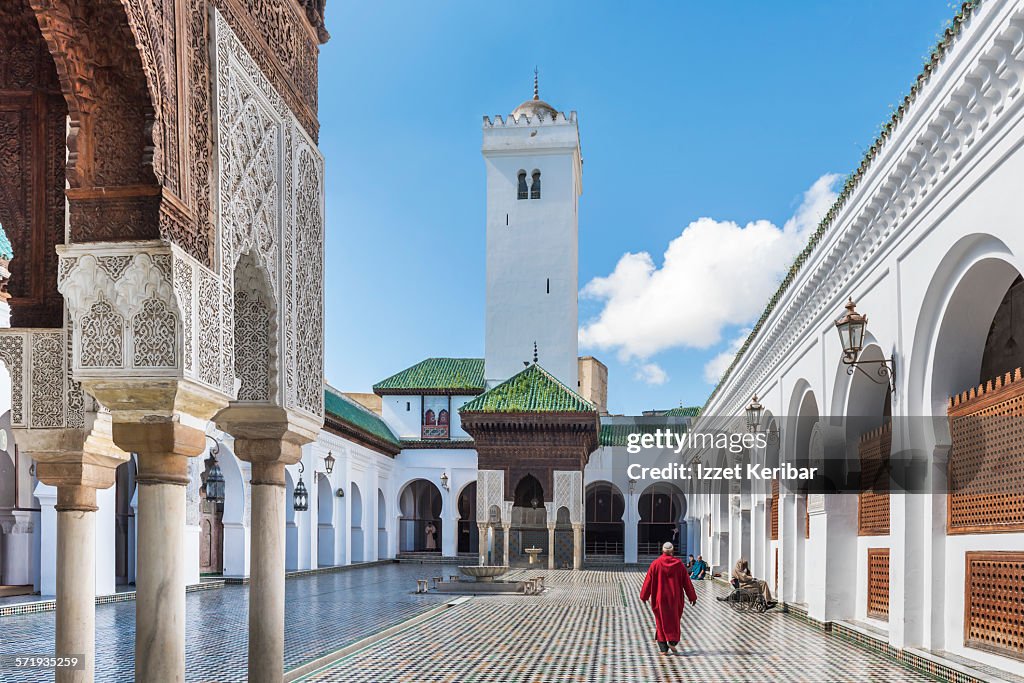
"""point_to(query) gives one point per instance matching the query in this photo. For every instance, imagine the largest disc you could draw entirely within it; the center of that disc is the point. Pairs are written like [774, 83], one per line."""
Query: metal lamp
[300, 496]
[444, 480]
[329, 463]
[214, 476]
[754, 412]
[852, 327]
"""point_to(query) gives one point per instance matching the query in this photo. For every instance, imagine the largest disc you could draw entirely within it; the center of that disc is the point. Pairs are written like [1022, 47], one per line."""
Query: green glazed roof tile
[344, 409]
[460, 375]
[687, 411]
[534, 390]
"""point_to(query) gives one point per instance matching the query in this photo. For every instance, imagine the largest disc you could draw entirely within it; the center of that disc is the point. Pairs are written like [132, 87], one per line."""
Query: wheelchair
[744, 599]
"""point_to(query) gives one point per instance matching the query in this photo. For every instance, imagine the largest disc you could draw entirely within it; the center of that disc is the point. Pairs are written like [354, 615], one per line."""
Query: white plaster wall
[403, 414]
[531, 242]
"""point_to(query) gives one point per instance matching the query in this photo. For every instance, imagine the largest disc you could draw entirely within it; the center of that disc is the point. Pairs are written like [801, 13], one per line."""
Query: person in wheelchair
[742, 579]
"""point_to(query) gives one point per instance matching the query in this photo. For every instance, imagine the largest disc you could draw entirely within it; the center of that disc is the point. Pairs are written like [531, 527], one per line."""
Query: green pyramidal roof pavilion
[534, 390]
[436, 376]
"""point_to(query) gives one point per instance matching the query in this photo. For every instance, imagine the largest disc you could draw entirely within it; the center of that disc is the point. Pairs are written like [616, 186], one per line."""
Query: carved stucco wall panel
[569, 494]
[43, 395]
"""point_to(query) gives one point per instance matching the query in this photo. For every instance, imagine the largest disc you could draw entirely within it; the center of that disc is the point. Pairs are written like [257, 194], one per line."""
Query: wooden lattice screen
[994, 602]
[878, 583]
[986, 463]
[775, 509]
[873, 505]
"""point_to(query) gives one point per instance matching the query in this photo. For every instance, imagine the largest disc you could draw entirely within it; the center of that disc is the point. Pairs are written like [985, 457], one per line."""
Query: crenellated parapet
[525, 121]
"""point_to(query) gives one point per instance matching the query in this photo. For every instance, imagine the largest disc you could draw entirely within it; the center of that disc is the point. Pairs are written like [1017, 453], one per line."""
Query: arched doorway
[420, 529]
[662, 507]
[211, 518]
[382, 526]
[469, 535]
[529, 519]
[605, 530]
[325, 532]
[358, 554]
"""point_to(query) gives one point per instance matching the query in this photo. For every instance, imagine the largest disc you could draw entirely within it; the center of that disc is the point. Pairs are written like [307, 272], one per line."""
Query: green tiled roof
[534, 390]
[455, 375]
[888, 128]
[688, 411]
[344, 409]
[617, 434]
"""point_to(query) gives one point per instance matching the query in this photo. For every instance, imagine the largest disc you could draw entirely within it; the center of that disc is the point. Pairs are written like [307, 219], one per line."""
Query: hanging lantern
[214, 483]
[754, 411]
[329, 463]
[300, 495]
[851, 331]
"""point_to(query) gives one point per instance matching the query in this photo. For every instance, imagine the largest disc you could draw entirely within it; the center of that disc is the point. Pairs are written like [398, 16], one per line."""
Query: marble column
[577, 546]
[481, 530]
[269, 438]
[506, 532]
[266, 577]
[551, 546]
[163, 449]
[77, 464]
[76, 580]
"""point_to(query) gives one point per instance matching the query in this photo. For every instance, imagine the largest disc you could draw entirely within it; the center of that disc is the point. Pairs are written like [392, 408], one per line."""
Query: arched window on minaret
[535, 186]
[522, 185]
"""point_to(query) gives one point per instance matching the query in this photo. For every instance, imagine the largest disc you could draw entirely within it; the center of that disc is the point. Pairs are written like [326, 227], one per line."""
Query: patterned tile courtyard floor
[325, 612]
[591, 627]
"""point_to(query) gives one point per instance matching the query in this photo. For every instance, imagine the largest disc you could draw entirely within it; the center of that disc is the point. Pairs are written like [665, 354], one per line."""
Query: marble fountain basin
[484, 573]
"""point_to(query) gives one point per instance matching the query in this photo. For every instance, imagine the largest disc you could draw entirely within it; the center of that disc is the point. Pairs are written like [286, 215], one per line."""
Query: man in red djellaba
[665, 586]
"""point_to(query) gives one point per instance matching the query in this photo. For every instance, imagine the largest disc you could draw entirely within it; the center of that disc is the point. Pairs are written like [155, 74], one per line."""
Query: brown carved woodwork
[873, 500]
[775, 510]
[878, 583]
[136, 79]
[532, 443]
[994, 602]
[32, 116]
[986, 463]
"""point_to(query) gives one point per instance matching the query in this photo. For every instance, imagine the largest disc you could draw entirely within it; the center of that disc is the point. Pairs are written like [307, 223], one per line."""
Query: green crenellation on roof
[456, 375]
[853, 180]
[534, 390]
[344, 409]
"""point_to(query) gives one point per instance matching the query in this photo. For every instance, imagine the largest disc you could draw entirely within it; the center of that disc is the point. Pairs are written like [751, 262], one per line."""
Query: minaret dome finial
[536, 85]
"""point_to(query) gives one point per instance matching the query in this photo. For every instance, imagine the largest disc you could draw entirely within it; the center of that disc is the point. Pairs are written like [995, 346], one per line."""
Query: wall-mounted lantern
[329, 463]
[632, 486]
[444, 481]
[300, 496]
[214, 476]
[852, 327]
[340, 493]
[754, 412]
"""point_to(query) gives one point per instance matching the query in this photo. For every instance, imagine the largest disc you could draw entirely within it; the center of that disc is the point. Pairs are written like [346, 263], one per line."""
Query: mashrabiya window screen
[878, 583]
[873, 501]
[994, 603]
[986, 463]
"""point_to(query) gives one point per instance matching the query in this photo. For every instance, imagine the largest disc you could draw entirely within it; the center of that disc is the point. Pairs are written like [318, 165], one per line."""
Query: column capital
[163, 447]
[267, 434]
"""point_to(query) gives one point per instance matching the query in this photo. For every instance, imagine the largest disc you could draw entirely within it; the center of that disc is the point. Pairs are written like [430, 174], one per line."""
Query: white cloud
[716, 367]
[651, 373]
[716, 274]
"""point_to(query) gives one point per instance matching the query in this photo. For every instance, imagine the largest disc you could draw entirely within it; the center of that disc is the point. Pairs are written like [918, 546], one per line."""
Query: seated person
[699, 569]
[689, 563]
[741, 578]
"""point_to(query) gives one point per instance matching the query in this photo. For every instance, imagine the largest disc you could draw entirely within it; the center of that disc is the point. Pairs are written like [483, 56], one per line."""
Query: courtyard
[586, 626]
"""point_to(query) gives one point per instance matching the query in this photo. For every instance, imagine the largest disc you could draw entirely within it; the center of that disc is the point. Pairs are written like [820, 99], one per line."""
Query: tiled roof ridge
[469, 372]
[966, 10]
[533, 368]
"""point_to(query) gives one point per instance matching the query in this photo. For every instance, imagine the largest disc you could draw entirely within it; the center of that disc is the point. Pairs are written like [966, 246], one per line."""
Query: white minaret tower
[534, 180]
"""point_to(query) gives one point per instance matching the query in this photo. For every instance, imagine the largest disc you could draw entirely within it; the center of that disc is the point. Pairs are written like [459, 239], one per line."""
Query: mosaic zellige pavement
[591, 627]
[325, 612]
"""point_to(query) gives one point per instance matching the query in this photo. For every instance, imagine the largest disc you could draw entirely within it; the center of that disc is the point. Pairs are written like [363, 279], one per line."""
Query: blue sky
[735, 113]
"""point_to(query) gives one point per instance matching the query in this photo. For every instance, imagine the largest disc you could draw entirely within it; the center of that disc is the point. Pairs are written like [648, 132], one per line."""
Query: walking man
[665, 585]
